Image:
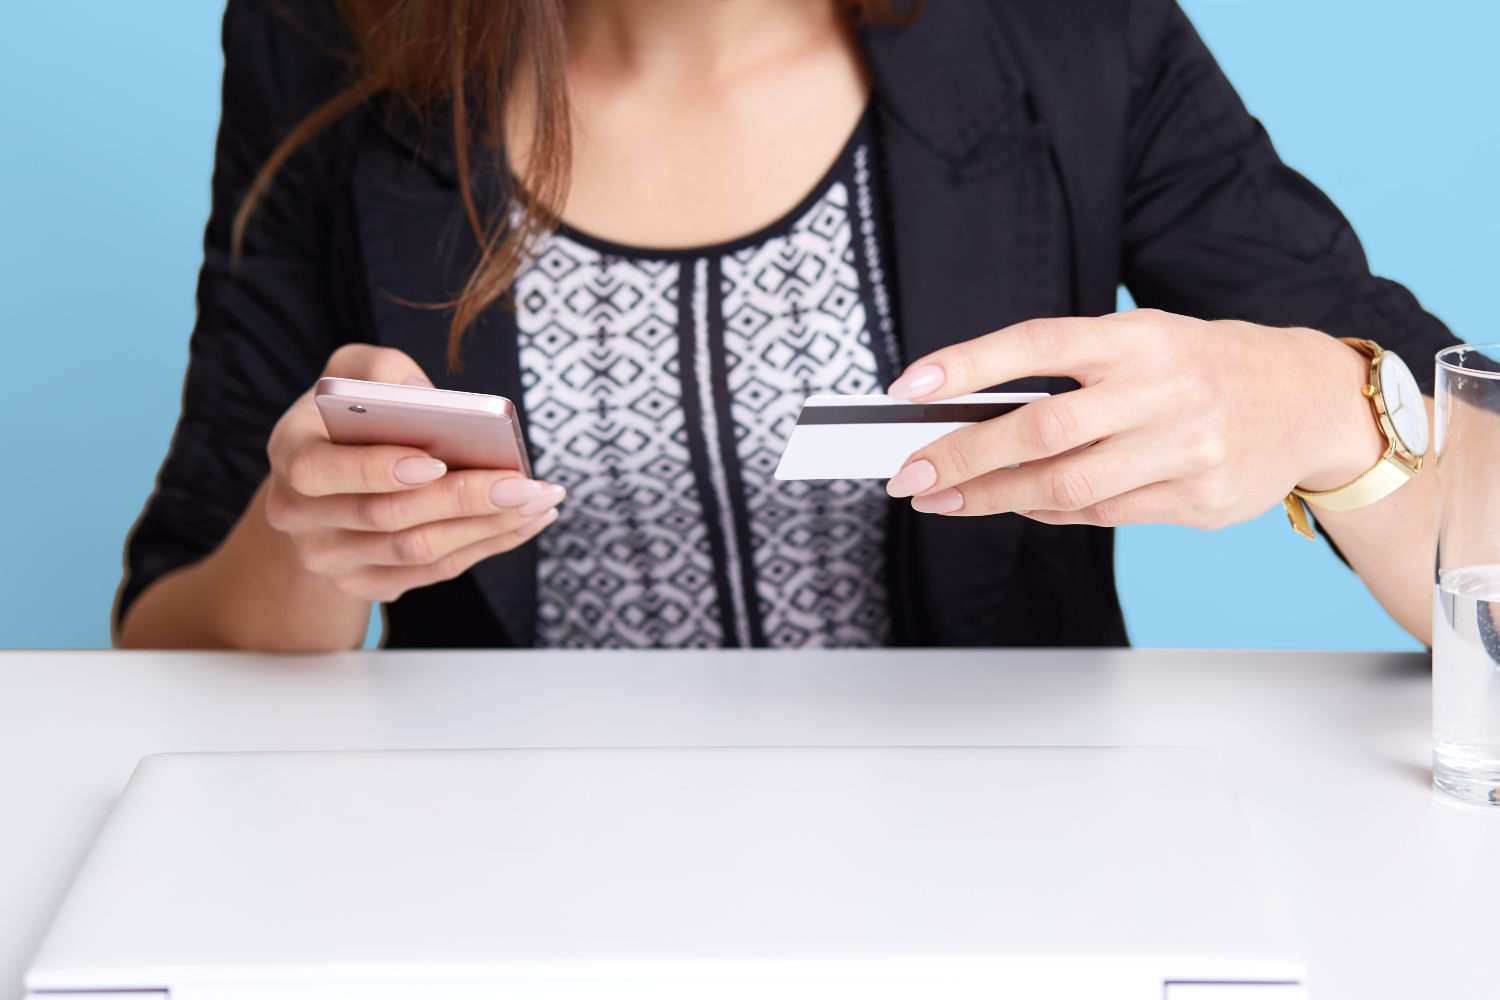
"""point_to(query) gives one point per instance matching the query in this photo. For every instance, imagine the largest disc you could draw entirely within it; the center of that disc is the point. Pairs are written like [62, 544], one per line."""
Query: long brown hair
[461, 56]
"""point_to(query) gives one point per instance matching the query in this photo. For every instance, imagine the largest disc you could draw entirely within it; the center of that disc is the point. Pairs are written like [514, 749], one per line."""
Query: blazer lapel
[998, 149]
[977, 213]
[1080, 89]
[417, 250]
[980, 224]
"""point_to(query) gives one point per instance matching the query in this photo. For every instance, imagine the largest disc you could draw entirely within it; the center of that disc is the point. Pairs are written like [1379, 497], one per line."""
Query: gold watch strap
[1388, 475]
[1383, 479]
[1297, 514]
[1368, 348]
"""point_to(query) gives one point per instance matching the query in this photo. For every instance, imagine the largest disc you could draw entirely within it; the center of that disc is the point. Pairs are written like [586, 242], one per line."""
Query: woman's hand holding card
[1177, 420]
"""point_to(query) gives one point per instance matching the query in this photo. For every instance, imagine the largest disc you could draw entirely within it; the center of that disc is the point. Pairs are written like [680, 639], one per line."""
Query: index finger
[1053, 346]
[322, 468]
[1046, 428]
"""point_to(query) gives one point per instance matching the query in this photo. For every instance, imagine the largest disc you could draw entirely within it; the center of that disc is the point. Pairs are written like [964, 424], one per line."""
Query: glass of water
[1466, 586]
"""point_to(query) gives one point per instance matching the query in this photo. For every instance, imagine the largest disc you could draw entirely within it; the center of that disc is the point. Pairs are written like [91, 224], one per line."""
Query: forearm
[1390, 544]
[252, 592]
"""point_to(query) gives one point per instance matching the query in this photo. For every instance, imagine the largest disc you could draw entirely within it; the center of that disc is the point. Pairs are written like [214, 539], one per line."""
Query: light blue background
[108, 119]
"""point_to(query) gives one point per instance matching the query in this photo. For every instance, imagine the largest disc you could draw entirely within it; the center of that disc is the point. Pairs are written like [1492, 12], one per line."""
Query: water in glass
[1466, 684]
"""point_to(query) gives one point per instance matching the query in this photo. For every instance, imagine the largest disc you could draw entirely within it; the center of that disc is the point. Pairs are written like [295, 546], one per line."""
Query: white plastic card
[869, 437]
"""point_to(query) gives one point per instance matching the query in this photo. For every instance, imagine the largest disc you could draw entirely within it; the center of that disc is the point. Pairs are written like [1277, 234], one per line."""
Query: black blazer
[1037, 154]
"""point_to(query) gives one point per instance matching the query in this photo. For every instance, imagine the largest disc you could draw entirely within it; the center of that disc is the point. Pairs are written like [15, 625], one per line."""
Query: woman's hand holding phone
[378, 520]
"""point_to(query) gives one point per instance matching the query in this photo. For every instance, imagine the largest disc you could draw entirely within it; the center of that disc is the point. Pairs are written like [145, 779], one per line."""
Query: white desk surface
[1392, 891]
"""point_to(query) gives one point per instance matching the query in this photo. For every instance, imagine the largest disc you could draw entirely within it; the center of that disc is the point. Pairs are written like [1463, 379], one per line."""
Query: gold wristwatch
[1402, 416]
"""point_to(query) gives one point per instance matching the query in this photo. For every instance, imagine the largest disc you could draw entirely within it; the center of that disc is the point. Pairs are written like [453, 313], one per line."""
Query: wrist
[261, 595]
[1344, 439]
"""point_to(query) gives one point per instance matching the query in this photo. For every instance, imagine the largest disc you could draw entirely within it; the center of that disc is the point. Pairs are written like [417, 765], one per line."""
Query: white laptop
[672, 874]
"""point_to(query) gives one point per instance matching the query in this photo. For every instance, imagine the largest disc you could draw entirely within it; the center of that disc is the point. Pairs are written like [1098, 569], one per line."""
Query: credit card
[868, 437]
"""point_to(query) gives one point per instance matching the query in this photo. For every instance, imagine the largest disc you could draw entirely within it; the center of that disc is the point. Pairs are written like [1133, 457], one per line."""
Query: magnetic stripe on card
[906, 413]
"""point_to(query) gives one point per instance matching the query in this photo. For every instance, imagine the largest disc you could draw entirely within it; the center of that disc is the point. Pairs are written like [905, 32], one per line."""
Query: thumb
[369, 363]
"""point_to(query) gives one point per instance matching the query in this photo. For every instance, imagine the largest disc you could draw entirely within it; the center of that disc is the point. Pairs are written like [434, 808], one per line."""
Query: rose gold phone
[464, 430]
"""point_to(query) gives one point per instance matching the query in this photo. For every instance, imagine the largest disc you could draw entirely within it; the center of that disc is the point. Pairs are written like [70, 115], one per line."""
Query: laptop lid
[672, 873]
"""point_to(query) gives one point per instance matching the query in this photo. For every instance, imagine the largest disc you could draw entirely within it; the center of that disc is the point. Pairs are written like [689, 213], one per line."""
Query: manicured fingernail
[413, 471]
[514, 492]
[532, 527]
[545, 500]
[1023, 512]
[913, 479]
[418, 380]
[941, 502]
[917, 382]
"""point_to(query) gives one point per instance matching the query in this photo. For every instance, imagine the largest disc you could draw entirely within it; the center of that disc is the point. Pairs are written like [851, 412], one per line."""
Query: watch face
[1403, 404]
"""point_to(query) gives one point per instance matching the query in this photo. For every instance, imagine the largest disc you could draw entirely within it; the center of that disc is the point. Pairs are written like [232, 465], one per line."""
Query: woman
[622, 215]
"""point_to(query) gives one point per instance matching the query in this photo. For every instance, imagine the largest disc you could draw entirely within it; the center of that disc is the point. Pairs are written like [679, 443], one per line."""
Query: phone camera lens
[357, 409]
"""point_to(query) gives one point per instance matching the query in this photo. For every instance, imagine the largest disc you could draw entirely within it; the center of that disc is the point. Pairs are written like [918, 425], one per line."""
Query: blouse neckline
[842, 165]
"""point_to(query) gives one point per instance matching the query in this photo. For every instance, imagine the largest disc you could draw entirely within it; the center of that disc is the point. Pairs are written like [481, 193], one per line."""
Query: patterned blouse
[660, 387]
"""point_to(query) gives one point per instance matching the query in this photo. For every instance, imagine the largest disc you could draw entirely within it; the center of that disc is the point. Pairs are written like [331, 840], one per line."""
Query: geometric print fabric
[627, 562]
[660, 388]
[795, 325]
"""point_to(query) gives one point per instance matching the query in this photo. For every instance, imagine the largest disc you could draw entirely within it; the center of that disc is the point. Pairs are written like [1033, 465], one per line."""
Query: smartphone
[464, 430]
